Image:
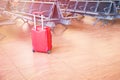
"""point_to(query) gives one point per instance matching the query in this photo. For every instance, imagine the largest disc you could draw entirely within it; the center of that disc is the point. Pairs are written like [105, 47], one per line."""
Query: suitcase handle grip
[41, 13]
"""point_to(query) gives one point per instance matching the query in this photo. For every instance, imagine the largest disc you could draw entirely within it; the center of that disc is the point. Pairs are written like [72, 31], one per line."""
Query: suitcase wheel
[48, 51]
[33, 50]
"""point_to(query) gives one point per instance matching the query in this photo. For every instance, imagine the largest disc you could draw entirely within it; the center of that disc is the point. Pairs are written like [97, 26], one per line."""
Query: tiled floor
[82, 52]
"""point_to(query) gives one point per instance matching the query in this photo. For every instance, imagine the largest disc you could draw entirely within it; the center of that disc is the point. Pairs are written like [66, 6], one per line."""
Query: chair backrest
[63, 1]
[71, 6]
[27, 7]
[48, 0]
[20, 6]
[91, 6]
[81, 6]
[35, 7]
[117, 3]
[104, 7]
[47, 8]
[4, 5]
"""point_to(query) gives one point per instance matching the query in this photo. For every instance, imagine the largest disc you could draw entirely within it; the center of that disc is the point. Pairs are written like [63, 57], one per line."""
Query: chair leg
[96, 21]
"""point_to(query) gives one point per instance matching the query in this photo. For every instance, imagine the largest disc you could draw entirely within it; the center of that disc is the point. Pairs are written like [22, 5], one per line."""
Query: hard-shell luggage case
[41, 38]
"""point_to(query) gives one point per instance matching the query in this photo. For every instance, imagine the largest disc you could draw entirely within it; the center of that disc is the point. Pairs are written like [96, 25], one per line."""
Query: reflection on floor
[82, 52]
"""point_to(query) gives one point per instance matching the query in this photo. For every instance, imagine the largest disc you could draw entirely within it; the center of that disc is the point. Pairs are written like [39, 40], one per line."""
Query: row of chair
[25, 9]
[52, 11]
[30, 7]
[99, 9]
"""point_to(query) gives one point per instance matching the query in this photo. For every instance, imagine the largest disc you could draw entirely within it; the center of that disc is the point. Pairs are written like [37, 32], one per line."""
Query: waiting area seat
[98, 9]
[52, 11]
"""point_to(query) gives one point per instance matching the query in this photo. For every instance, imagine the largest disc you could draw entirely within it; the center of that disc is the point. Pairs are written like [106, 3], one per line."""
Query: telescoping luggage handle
[41, 13]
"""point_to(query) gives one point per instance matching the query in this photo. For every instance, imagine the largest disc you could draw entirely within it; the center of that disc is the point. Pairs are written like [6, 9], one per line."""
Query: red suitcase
[41, 38]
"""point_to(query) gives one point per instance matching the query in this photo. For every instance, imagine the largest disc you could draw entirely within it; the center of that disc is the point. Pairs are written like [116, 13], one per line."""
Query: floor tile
[48, 70]
[11, 75]
[82, 52]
